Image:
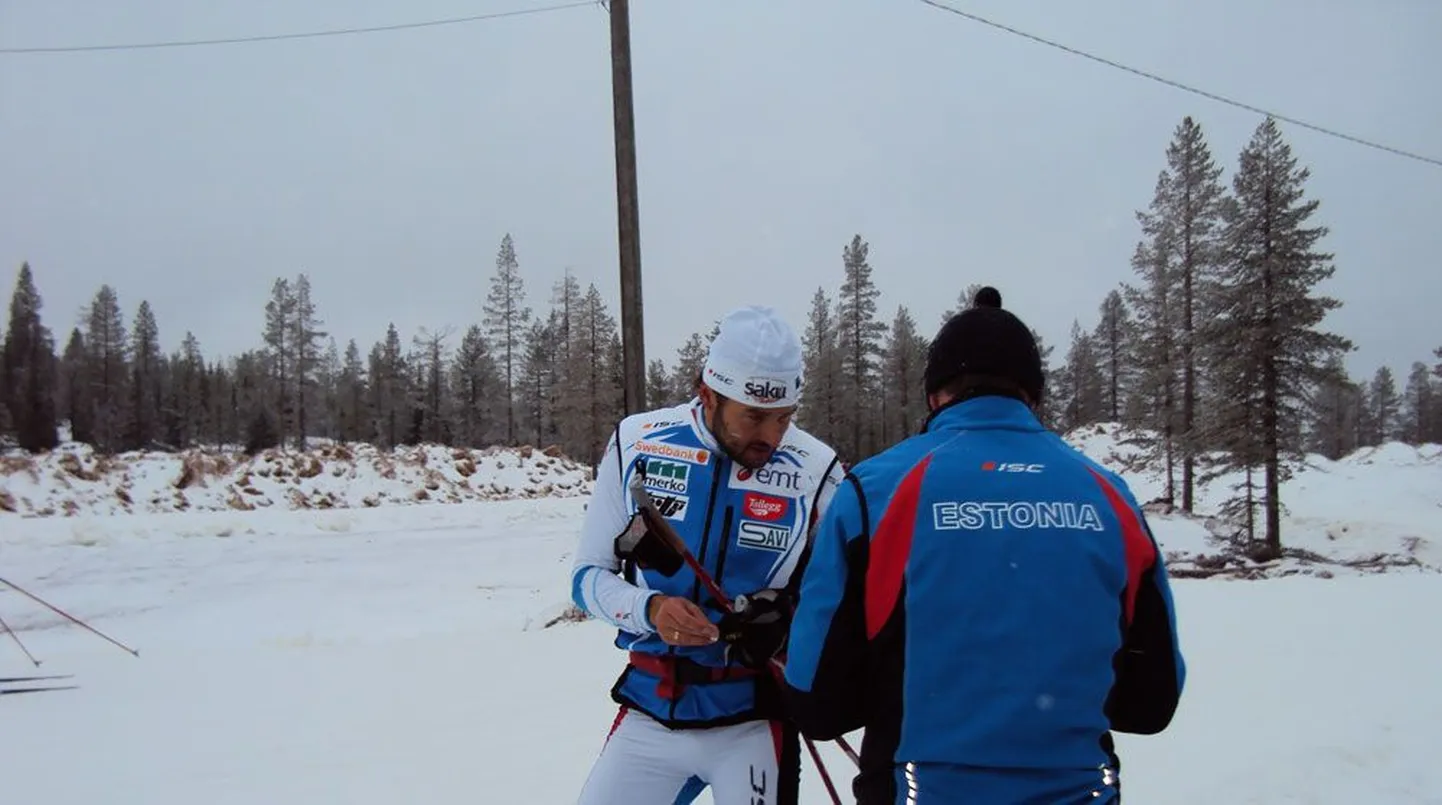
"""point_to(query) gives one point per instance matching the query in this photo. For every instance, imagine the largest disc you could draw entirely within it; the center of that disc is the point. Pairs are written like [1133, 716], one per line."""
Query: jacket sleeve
[596, 586]
[1150, 670]
[825, 493]
[825, 666]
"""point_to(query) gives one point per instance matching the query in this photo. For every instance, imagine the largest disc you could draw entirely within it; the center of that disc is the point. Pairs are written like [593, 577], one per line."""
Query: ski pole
[658, 523]
[16, 638]
[66, 615]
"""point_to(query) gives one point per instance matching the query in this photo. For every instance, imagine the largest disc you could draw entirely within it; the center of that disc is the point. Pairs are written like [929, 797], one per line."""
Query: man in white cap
[741, 486]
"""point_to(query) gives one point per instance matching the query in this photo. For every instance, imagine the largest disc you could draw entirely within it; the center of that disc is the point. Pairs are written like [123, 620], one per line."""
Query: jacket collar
[983, 413]
[700, 428]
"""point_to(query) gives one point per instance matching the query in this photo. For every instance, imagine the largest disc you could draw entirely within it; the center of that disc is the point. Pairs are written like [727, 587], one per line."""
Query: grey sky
[388, 166]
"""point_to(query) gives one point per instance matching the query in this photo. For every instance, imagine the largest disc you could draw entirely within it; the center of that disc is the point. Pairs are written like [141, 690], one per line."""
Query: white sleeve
[596, 586]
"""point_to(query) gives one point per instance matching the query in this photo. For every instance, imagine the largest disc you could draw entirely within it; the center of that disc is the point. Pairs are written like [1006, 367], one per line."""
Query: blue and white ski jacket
[749, 530]
[989, 604]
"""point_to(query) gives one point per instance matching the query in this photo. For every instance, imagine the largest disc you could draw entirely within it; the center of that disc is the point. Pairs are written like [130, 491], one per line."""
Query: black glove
[757, 630]
[646, 549]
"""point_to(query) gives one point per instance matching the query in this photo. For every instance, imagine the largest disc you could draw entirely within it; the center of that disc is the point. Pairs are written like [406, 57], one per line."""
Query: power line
[1183, 87]
[302, 35]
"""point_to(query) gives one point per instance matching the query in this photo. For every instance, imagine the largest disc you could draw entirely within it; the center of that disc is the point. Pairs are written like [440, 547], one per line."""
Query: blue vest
[747, 528]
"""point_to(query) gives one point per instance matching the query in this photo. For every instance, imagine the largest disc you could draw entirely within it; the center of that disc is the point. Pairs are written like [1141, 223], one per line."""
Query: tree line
[1216, 351]
[1216, 354]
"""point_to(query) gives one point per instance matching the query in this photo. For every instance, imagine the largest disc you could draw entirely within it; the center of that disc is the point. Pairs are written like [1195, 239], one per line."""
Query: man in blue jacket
[988, 603]
[741, 486]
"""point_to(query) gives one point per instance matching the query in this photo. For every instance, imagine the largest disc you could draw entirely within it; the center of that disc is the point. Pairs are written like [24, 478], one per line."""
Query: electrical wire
[1185, 88]
[302, 35]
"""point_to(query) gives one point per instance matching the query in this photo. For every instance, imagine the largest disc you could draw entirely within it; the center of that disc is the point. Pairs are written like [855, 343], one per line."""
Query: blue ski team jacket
[990, 605]
[748, 529]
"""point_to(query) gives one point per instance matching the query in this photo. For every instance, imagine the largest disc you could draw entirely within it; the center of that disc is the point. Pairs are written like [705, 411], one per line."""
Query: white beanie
[755, 359]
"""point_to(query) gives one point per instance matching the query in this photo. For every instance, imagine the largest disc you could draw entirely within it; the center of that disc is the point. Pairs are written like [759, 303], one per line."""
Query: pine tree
[1385, 406]
[280, 346]
[353, 413]
[598, 389]
[474, 382]
[690, 357]
[1045, 410]
[540, 392]
[187, 394]
[305, 339]
[76, 395]
[1335, 426]
[658, 385]
[1112, 341]
[28, 370]
[1157, 356]
[431, 366]
[1420, 403]
[145, 373]
[252, 412]
[1084, 401]
[105, 337]
[1265, 330]
[820, 410]
[903, 400]
[859, 336]
[390, 392]
[327, 387]
[507, 320]
[1192, 204]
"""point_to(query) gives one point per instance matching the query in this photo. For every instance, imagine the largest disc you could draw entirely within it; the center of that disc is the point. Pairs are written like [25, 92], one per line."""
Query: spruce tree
[859, 336]
[1112, 341]
[109, 361]
[1191, 203]
[1385, 406]
[145, 373]
[1265, 337]
[1420, 406]
[28, 370]
[819, 411]
[507, 322]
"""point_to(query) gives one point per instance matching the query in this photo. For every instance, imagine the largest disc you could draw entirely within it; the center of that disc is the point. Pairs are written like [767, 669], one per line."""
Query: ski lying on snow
[6, 680]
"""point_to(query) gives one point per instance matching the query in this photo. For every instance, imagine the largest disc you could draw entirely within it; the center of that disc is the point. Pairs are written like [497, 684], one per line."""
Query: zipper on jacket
[701, 557]
[726, 524]
[706, 529]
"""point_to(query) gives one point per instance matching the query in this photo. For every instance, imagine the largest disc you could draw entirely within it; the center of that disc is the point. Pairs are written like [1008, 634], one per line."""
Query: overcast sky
[388, 166]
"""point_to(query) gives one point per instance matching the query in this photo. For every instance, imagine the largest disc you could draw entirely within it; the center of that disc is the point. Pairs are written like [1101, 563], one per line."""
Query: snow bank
[73, 480]
[1379, 508]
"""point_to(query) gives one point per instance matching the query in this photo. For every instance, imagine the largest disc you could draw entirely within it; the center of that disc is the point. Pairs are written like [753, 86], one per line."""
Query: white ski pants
[645, 763]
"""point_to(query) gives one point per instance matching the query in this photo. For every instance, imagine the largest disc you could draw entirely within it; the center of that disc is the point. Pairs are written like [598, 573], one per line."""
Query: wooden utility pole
[628, 216]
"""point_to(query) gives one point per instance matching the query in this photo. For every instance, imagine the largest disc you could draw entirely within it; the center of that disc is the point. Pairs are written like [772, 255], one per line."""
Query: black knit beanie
[985, 340]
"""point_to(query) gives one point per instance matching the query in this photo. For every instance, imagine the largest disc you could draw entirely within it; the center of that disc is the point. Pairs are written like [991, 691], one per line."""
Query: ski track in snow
[395, 655]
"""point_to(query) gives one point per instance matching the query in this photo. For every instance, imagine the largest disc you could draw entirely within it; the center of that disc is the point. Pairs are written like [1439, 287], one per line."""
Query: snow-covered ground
[400, 653]
[1378, 508]
[73, 480]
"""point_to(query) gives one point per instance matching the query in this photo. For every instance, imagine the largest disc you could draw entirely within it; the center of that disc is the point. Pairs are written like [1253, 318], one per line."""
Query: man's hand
[648, 549]
[680, 622]
[757, 632]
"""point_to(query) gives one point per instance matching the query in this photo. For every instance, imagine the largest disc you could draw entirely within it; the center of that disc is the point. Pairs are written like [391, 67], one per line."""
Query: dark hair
[966, 386]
